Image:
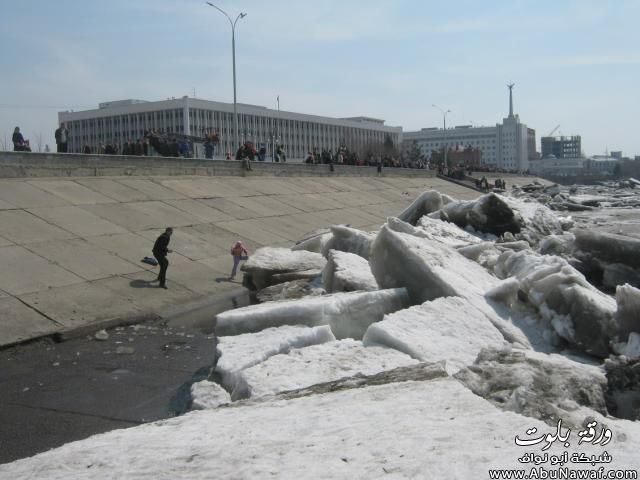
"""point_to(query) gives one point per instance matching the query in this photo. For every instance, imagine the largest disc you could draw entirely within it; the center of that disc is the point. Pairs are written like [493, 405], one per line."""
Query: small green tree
[414, 153]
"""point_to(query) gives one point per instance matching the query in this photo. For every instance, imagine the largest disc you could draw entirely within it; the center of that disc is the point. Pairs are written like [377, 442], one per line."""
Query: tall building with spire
[508, 145]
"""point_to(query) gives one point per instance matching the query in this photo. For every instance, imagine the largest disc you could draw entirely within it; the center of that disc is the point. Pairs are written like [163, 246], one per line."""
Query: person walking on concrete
[62, 138]
[239, 252]
[160, 251]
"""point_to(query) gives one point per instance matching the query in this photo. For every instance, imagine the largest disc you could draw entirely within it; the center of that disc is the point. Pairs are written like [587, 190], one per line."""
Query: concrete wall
[23, 165]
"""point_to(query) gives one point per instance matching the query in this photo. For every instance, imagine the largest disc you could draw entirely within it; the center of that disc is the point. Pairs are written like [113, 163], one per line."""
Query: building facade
[570, 167]
[119, 121]
[561, 147]
[555, 167]
[506, 145]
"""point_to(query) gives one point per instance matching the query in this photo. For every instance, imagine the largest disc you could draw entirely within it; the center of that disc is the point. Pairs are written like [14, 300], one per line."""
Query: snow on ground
[435, 429]
[349, 313]
[347, 272]
[303, 367]
[449, 329]
[235, 353]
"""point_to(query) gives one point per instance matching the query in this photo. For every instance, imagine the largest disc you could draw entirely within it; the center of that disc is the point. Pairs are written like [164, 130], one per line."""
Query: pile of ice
[442, 283]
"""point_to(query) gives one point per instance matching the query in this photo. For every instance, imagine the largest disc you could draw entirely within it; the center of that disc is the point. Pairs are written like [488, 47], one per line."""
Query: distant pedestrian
[46, 148]
[62, 138]
[160, 251]
[19, 145]
[239, 253]
[87, 150]
[208, 149]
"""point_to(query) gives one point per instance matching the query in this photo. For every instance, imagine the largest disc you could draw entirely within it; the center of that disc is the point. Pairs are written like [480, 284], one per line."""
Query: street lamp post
[444, 130]
[233, 54]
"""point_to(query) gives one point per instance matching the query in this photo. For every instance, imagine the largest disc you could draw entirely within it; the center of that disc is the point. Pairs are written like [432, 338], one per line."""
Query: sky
[575, 63]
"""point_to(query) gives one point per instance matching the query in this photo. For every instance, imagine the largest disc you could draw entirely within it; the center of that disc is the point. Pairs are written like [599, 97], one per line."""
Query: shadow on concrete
[143, 283]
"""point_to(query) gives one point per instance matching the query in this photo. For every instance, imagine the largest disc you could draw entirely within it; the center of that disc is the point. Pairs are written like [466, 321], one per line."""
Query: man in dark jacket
[160, 251]
[62, 138]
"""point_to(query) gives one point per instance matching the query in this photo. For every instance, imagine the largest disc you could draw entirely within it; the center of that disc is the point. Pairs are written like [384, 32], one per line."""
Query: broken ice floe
[347, 272]
[349, 314]
[469, 290]
[321, 363]
[236, 353]
[447, 329]
[269, 261]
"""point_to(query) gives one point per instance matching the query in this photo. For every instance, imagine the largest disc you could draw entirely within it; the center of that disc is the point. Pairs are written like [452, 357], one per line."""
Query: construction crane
[553, 131]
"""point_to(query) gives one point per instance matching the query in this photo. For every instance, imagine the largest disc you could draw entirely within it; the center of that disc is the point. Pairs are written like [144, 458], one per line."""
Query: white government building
[119, 121]
[507, 145]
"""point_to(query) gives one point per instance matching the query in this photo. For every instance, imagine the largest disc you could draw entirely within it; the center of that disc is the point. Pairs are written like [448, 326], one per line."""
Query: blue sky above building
[574, 63]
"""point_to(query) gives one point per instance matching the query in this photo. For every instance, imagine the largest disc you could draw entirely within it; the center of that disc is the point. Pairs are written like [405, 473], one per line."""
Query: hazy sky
[575, 63]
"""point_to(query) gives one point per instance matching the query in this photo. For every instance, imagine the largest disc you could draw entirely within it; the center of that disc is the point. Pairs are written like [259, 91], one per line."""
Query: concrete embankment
[71, 248]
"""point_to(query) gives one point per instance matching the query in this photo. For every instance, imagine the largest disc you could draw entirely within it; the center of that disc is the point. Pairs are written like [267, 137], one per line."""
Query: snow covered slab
[303, 367]
[434, 429]
[429, 269]
[267, 261]
[206, 394]
[347, 272]
[238, 352]
[349, 314]
[449, 329]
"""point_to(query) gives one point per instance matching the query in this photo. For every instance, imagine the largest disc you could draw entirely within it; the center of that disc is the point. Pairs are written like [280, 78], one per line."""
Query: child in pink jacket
[239, 252]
